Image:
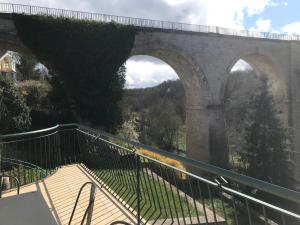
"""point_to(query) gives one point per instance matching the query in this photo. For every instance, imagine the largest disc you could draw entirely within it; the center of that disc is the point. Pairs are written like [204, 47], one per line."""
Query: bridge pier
[197, 136]
[217, 135]
[206, 139]
[294, 107]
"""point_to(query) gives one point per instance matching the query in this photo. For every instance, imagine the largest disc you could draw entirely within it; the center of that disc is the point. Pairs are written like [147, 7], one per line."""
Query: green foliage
[60, 102]
[36, 93]
[138, 100]
[26, 68]
[87, 56]
[240, 89]
[157, 122]
[266, 142]
[14, 113]
[163, 124]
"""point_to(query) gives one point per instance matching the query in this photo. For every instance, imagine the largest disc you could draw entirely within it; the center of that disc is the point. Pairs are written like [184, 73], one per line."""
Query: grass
[158, 200]
[219, 210]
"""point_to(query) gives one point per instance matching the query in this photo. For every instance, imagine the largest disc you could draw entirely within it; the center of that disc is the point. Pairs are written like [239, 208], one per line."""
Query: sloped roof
[5, 55]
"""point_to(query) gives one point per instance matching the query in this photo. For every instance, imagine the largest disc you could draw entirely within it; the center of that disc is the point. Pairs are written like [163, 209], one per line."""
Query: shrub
[36, 93]
[14, 113]
[166, 160]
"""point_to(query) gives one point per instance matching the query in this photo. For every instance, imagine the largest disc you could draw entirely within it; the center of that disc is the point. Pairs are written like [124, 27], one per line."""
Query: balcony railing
[173, 190]
[143, 23]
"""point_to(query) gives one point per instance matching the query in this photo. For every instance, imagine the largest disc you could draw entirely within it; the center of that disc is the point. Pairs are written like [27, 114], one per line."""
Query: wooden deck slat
[60, 191]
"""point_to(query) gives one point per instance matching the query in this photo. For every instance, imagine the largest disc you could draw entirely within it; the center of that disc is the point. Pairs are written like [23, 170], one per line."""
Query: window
[6, 66]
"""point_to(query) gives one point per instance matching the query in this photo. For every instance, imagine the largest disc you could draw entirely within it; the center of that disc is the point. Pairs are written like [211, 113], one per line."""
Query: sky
[279, 16]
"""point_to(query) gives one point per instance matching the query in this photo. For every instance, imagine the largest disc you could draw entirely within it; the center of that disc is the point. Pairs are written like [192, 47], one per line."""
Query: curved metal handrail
[120, 222]
[89, 209]
[24, 163]
[12, 177]
[38, 132]
[29, 172]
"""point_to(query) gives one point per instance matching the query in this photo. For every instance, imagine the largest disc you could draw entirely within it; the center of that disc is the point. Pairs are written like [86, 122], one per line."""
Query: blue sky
[259, 15]
[285, 13]
[282, 17]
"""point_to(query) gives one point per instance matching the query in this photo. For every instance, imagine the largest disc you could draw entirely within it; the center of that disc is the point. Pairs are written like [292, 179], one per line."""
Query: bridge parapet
[142, 23]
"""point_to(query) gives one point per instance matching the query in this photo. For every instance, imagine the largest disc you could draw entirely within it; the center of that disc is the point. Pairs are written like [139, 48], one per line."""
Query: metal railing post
[1, 186]
[138, 189]
[91, 206]
[1, 149]
[58, 149]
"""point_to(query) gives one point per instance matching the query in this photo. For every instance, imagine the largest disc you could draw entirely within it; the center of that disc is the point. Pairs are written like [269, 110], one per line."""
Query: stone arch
[191, 76]
[263, 64]
[266, 65]
[197, 98]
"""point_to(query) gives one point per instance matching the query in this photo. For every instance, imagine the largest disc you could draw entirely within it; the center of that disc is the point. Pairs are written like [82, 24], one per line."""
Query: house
[7, 66]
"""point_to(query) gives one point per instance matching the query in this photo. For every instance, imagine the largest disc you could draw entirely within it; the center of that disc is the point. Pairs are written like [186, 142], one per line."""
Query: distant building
[8, 66]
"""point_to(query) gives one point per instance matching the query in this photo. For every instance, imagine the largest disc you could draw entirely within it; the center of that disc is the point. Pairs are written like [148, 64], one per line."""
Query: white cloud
[241, 65]
[175, 2]
[292, 28]
[263, 25]
[147, 72]
[231, 13]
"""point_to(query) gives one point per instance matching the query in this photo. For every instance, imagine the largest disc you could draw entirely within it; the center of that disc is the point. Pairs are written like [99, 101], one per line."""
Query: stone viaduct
[203, 61]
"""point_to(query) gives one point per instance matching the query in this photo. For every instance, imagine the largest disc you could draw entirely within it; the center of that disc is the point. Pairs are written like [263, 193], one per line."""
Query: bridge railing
[138, 22]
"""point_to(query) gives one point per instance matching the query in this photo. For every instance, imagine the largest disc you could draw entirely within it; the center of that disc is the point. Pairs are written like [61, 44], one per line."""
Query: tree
[163, 125]
[36, 93]
[26, 69]
[240, 88]
[267, 141]
[157, 122]
[14, 113]
[43, 111]
[62, 107]
[86, 56]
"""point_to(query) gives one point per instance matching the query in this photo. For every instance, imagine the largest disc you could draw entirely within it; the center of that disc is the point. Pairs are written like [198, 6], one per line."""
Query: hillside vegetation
[156, 115]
